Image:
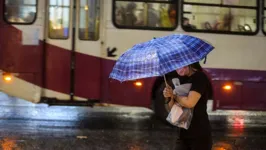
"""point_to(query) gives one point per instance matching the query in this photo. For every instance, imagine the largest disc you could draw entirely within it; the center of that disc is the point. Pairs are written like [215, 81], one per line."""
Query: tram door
[73, 49]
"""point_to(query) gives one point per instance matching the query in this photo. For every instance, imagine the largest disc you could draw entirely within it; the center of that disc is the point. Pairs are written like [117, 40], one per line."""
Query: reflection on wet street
[30, 126]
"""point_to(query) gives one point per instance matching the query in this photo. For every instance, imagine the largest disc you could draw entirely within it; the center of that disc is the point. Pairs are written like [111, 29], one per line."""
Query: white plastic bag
[180, 116]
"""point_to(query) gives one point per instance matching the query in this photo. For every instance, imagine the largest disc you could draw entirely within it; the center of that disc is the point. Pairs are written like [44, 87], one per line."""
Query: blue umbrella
[159, 56]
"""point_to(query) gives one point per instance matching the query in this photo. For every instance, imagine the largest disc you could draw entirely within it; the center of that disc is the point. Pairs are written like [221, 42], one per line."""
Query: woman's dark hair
[196, 66]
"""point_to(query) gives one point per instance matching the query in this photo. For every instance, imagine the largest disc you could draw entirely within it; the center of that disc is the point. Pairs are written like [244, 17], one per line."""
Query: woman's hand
[168, 92]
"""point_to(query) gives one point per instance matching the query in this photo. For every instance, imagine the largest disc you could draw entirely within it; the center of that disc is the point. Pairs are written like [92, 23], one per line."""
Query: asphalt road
[28, 126]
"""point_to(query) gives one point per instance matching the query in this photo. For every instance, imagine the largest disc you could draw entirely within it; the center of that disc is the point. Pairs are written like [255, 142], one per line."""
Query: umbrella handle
[167, 85]
[165, 81]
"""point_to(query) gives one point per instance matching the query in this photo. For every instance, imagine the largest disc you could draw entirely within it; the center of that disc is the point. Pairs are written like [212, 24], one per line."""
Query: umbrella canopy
[159, 56]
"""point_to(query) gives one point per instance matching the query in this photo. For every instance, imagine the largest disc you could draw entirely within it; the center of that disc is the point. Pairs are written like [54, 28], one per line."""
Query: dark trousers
[204, 143]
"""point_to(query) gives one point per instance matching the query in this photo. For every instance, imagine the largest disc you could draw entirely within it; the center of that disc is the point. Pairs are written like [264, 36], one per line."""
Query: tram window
[225, 2]
[89, 21]
[264, 22]
[148, 15]
[222, 16]
[59, 15]
[20, 11]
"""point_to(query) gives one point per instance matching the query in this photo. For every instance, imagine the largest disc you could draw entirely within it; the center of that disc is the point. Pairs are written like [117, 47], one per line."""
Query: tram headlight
[227, 87]
[7, 77]
[138, 84]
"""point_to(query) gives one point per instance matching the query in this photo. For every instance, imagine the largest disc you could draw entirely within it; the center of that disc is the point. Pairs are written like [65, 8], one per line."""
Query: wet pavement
[27, 126]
